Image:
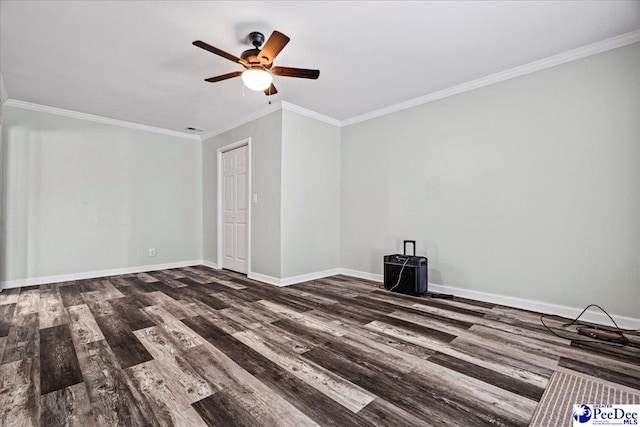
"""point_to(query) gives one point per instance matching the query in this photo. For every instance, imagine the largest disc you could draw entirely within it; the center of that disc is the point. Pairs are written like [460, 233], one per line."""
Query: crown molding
[99, 119]
[532, 67]
[276, 106]
[311, 114]
[571, 55]
[3, 91]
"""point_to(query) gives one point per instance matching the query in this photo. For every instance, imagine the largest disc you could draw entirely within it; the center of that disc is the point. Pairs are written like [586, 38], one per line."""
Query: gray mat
[566, 389]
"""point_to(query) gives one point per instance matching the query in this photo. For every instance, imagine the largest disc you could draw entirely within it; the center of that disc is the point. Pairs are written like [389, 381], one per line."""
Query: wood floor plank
[405, 334]
[104, 292]
[51, 310]
[488, 403]
[177, 273]
[9, 296]
[217, 368]
[365, 352]
[310, 401]
[451, 304]
[20, 393]
[550, 351]
[181, 378]
[147, 278]
[181, 335]
[82, 325]
[283, 298]
[203, 294]
[98, 306]
[425, 331]
[6, 314]
[58, 359]
[228, 325]
[396, 389]
[238, 391]
[195, 271]
[124, 344]
[542, 367]
[167, 406]
[307, 320]
[246, 314]
[626, 354]
[167, 279]
[28, 301]
[23, 339]
[343, 392]
[624, 378]
[114, 398]
[67, 407]
[89, 285]
[382, 413]
[228, 284]
[177, 309]
[130, 311]
[3, 342]
[346, 311]
[131, 286]
[205, 328]
[293, 343]
[70, 295]
[236, 406]
[455, 328]
[489, 376]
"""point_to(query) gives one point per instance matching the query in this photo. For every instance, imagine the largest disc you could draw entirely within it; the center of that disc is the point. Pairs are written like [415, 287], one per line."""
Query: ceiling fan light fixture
[258, 80]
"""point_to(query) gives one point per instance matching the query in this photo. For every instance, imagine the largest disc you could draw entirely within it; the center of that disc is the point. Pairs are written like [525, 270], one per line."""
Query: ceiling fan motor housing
[251, 56]
[256, 39]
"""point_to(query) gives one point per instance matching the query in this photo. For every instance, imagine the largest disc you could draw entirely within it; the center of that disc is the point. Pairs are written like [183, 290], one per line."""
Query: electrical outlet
[152, 252]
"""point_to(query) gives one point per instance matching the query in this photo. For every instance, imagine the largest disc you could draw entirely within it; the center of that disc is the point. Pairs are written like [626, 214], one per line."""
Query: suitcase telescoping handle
[413, 242]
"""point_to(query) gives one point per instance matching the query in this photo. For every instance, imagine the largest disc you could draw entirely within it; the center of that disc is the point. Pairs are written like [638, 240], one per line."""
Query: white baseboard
[361, 274]
[210, 264]
[265, 279]
[95, 274]
[293, 279]
[525, 304]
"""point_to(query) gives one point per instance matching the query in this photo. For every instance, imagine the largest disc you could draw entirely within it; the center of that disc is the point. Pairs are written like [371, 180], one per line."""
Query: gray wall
[527, 188]
[295, 172]
[310, 195]
[266, 154]
[3, 247]
[82, 196]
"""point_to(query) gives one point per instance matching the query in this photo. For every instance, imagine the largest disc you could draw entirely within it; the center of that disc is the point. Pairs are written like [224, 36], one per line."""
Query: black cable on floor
[584, 329]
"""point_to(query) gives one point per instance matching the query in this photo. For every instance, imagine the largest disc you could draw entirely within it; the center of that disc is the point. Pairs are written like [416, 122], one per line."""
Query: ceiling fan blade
[295, 72]
[272, 47]
[223, 77]
[271, 90]
[217, 51]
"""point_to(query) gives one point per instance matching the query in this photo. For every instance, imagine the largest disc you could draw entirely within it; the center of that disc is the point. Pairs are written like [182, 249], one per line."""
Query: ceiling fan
[258, 63]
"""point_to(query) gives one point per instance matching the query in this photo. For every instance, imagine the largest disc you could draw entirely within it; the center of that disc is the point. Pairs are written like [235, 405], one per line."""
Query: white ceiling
[133, 60]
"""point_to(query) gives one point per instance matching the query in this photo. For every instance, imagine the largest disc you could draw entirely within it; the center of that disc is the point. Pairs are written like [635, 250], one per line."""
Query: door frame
[243, 142]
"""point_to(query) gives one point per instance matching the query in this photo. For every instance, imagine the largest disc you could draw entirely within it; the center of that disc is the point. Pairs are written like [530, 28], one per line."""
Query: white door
[234, 209]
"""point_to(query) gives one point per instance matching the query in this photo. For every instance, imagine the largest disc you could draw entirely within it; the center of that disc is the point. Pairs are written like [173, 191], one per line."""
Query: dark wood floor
[196, 346]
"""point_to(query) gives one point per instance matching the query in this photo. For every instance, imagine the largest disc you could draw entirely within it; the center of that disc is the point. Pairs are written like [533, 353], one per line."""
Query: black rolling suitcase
[406, 274]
